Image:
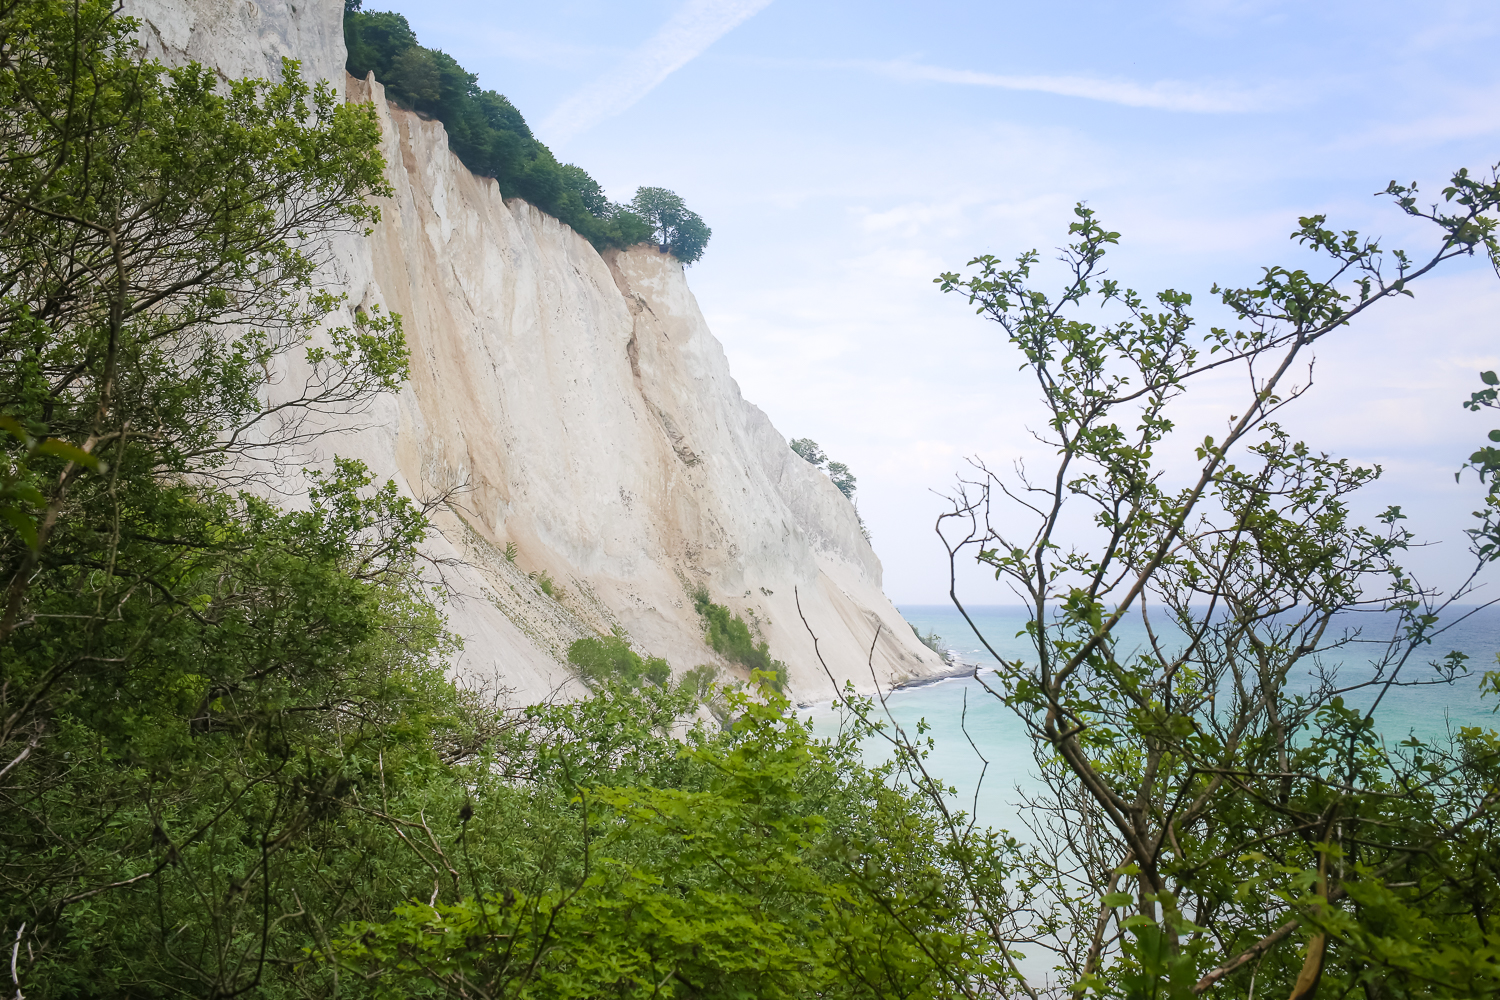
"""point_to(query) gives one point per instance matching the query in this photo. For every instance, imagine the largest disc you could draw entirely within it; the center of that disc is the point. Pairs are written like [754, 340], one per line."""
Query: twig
[15, 951]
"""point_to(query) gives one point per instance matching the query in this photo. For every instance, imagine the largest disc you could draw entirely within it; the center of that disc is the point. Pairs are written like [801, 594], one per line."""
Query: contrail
[696, 25]
[1166, 95]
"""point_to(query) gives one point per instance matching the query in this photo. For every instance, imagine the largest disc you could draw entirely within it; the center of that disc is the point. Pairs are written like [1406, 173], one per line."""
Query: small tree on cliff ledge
[807, 449]
[674, 226]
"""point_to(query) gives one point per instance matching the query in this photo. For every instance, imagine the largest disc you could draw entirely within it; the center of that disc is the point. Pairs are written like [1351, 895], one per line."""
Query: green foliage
[548, 585]
[204, 751]
[491, 137]
[120, 281]
[729, 636]
[1486, 462]
[751, 862]
[191, 681]
[1217, 814]
[934, 642]
[605, 660]
[807, 449]
[842, 478]
[674, 226]
[700, 680]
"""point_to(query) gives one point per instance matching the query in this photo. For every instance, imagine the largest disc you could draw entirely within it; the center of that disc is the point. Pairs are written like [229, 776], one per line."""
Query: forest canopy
[491, 137]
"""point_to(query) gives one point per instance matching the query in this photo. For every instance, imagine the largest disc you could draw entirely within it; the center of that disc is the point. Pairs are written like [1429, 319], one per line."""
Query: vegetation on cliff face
[807, 449]
[608, 659]
[728, 635]
[490, 136]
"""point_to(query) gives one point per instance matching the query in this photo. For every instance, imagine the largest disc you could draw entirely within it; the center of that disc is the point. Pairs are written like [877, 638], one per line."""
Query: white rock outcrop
[581, 406]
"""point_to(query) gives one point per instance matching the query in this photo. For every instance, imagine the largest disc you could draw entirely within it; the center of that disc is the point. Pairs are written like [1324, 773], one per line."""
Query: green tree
[674, 226]
[752, 861]
[842, 478]
[807, 449]
[485, 130]
[603, 660]
[588, 189]
[1221, 810]
[190, 679]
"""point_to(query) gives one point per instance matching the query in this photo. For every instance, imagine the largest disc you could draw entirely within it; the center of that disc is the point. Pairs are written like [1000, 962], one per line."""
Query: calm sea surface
[952, 706]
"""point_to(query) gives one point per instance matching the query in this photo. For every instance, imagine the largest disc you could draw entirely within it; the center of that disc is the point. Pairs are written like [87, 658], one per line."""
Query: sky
[845, 154]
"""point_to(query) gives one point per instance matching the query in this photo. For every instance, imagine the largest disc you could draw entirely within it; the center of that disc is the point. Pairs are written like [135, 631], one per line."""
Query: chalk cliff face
[580, 409]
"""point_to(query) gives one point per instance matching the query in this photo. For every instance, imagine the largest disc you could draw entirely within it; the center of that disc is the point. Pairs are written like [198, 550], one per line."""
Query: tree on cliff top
[674, 226]
[490, 135]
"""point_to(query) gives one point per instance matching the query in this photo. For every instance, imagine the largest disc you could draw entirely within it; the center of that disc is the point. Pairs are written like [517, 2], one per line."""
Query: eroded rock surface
[580, 409]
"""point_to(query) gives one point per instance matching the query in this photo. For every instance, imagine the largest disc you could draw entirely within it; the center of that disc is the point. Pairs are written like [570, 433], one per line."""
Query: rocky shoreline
[955, 668]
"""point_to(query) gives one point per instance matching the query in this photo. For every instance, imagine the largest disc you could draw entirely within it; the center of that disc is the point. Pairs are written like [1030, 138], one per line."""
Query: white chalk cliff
[582, 405]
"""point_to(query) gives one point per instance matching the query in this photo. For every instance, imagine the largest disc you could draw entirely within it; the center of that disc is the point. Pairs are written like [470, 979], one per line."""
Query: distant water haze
[959, 710]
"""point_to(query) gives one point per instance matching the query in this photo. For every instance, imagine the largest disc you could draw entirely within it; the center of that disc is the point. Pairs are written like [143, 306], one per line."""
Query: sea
[983, 752]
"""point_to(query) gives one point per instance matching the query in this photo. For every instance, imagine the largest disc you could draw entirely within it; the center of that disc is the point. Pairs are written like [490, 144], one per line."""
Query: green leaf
[24, 525]
[1490, 378]
[1118, 899]
[52, 446]
[29, 493]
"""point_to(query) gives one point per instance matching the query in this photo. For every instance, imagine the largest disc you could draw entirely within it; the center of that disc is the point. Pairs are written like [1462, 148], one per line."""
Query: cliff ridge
[576, 411]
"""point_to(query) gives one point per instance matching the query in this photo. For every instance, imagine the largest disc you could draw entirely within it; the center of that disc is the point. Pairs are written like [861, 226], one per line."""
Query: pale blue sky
[845, 154]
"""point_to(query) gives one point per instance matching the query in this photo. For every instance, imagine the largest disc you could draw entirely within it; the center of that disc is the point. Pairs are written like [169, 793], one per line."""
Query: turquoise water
[952, 707]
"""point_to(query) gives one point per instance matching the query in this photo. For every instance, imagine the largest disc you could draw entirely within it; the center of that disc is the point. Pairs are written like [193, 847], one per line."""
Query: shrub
[730, 637]
[700, 680]
[934, 642]
[603, 660]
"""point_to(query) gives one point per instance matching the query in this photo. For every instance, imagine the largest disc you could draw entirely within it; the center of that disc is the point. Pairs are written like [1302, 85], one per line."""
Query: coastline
[957, 668]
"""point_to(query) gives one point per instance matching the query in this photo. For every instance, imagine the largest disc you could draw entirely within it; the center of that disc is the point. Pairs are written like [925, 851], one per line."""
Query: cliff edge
[576, 410]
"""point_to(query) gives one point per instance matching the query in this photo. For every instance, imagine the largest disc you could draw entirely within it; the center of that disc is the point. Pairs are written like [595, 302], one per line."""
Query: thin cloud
[1165, 95]
[1468, 118]
[696, 25]
[537, 49]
